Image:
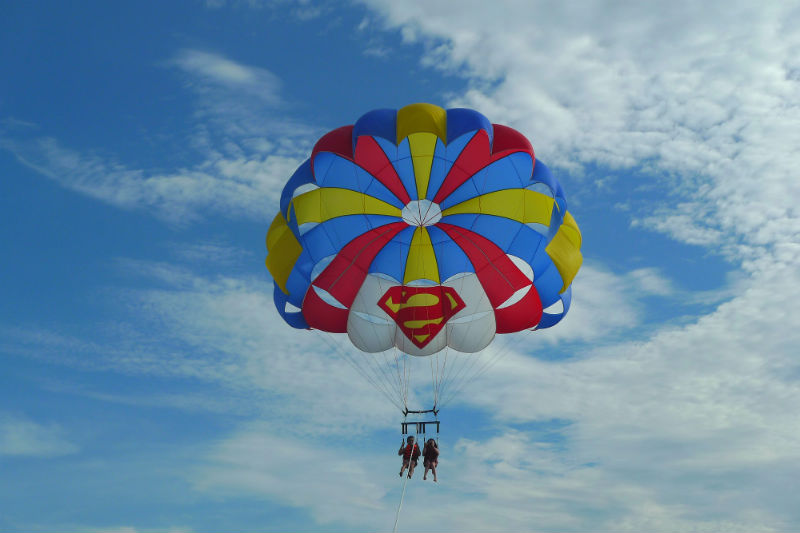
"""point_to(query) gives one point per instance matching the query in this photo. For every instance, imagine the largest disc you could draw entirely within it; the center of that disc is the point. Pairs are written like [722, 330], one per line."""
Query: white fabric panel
[474, 335]
[378, 334]
[470, 330]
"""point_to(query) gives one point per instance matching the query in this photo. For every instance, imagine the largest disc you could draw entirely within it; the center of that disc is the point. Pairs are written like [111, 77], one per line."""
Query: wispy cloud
[262, 460]
[207, 68]
[21, 436]
[246, 187]
[246, 148]
[699, 96]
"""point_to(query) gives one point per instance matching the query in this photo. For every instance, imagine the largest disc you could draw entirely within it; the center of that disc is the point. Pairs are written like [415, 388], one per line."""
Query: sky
[148, 384]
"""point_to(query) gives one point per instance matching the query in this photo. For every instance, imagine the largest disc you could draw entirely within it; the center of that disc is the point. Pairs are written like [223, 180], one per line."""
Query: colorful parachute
[422, 229]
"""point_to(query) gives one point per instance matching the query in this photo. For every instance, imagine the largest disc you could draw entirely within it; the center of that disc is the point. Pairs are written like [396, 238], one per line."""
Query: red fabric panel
[524, 314]
[498, 275]
[323, 316]
[475, 155]
[338, 141]
[507, 140]
[500, 278]
[372, 158]
[344, 276]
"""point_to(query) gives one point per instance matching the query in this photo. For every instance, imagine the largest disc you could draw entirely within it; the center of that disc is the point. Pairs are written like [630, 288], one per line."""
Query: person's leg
[411, 468]
[427, 467]
[403, 468]
[433, 470]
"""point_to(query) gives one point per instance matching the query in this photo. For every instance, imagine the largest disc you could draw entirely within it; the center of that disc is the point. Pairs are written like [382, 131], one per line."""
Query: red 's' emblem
[421, 312]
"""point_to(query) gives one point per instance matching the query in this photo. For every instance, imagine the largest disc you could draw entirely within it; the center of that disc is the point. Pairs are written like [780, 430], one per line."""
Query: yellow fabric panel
[421, 262]
[565, 250]
[283, 249]
[422, 146]
[275, 230]
[421, 117]
[522, 205]
[323, 204]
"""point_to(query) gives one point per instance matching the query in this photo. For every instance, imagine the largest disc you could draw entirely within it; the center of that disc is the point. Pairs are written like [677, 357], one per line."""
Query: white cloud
[703, 93]
[246, 149]
[691, 428]
[338, 484]
[606, 305]
[21, 436]
[235, 187]
[217, 69]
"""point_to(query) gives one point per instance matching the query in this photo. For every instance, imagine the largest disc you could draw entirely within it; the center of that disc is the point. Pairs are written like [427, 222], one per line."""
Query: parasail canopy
[420, 230]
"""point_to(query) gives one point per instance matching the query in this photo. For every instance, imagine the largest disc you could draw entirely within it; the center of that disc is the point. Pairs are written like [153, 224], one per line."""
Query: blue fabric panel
[455, 147]
[559, 193]
[389, 148]
[510, 172]
[391, 260]
[542, 174]
[405, 168]
[295, 319]
[461, 120]
[300, 177]
[450, 257]
[523, 164]
[331, 236]
[548, 284]
[333, 170]
[440, 166]
[509, 235]
[466, 191]
[556, 218]
[551, 319]
[541, 261]
[378, 190]
[449, 155]
[298, 282]
[526, 245]
[501, 231]
[378, 123]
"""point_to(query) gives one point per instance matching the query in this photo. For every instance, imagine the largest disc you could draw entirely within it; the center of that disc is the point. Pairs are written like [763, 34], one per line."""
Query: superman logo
[421, 312]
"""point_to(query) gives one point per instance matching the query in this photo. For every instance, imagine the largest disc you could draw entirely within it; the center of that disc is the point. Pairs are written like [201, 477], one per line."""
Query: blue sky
[146, 382]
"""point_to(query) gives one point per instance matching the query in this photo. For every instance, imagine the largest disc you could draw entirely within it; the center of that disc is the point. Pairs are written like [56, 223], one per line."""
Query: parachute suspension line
[380, 387]
[443, 378]
[406, 377]
[459, 368]
[381, 366]
[441, 375]
[394, 370]
[397, 376]
[460, 375]
[405, 478]
[490, 362]
[434, 377]
[381, 375]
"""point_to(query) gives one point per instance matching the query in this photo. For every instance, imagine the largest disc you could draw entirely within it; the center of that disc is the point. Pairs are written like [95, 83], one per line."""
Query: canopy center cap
[421, 213]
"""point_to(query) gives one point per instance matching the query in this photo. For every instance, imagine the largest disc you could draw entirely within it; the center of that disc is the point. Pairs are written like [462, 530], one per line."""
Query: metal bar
[434, 411]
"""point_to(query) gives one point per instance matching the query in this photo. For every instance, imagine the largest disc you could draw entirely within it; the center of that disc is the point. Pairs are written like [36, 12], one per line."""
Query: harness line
[405, 479]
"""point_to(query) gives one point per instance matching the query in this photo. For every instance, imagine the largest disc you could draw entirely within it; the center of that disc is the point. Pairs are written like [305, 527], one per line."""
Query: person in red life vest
[431, 454]
[410, 453]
